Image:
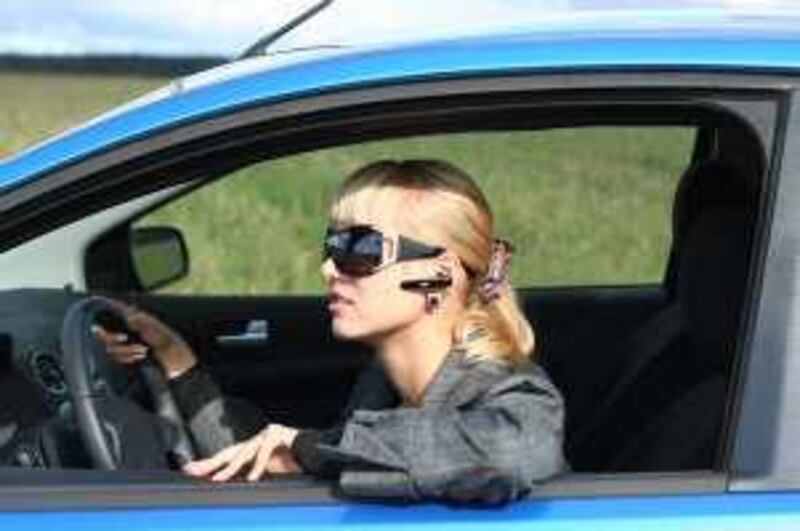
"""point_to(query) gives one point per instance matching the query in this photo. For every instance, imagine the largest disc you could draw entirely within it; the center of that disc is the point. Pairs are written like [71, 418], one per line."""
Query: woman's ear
[449, 263]
[441, 266]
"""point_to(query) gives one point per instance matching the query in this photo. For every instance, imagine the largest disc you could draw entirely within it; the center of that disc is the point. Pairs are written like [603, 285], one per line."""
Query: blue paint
[730, 511]
[459, 57]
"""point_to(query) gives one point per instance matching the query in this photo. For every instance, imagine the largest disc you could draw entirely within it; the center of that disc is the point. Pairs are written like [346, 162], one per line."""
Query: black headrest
[714, 221]
[707, 185]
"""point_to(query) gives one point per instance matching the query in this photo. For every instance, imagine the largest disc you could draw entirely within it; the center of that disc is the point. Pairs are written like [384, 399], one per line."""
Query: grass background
[37, 104]
[582, 206]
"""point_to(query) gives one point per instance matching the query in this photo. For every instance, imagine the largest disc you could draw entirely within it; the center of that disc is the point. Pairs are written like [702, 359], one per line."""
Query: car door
[175, 160]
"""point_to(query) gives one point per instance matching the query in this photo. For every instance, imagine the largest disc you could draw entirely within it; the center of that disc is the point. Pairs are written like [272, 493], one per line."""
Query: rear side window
[582, 206]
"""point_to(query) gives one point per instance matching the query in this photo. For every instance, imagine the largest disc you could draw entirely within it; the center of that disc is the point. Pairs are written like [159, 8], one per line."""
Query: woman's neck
[412, 356]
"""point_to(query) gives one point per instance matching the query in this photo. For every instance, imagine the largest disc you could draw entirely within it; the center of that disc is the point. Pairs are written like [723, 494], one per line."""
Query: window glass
[583, 206]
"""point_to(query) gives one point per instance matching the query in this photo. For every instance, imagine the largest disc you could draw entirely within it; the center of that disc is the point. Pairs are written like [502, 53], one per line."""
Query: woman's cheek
[378, 307]
[359, 319]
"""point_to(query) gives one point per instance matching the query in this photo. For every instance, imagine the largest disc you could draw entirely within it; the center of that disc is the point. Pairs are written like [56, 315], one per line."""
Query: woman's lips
[336, 302]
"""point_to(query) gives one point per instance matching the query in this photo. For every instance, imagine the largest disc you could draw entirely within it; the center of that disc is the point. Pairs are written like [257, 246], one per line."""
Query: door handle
[256, 334]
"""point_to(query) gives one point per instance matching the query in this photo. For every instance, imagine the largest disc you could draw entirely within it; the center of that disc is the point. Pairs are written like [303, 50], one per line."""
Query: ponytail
[496, 329]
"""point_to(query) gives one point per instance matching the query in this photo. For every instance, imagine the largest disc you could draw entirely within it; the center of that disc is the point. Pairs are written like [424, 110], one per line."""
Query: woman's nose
[328, 270]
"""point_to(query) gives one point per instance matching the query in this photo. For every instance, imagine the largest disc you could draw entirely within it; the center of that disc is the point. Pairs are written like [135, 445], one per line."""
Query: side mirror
[159, 256]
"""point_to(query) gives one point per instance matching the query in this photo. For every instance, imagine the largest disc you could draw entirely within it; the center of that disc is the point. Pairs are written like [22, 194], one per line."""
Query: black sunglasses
[360, 250]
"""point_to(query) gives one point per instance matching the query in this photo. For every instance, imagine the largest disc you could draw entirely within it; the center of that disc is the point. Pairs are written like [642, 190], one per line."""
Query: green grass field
[33, 106]
[582, 206]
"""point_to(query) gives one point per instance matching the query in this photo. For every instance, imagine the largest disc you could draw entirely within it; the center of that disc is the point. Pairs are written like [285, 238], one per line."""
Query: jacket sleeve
[490, 448]
[214, 421]
[371, 391]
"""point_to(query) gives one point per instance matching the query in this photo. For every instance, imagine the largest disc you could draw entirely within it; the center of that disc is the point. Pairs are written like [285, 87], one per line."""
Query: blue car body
[729, 512]
[242, 85]
[725, 49]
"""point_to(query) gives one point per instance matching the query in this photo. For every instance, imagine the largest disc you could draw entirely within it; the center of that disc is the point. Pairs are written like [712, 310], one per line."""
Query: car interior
[647, 371]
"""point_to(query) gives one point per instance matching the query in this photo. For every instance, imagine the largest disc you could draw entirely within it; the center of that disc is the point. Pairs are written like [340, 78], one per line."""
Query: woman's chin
[345, 329]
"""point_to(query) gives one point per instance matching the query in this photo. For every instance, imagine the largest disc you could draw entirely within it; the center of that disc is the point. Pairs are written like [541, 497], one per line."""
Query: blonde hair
[441, 205]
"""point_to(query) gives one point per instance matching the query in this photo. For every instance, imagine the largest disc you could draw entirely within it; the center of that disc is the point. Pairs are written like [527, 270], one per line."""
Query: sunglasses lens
[356, 251]
[354, 265]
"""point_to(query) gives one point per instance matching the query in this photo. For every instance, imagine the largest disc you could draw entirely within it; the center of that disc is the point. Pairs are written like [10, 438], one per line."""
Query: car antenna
[260, 47]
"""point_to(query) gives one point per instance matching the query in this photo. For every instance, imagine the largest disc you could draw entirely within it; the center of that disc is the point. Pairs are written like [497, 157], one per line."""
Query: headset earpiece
[427, 285]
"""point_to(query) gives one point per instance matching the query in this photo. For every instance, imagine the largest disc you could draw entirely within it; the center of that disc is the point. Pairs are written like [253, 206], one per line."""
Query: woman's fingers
[260, 465]
[127, 353]
[108, 337]
[276, 455]
[151, 330]
[204, 467]
[245, 455]
[117, 346]
[255, 452]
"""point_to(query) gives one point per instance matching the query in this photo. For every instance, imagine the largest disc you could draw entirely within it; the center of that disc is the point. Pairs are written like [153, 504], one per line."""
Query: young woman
[453, 409]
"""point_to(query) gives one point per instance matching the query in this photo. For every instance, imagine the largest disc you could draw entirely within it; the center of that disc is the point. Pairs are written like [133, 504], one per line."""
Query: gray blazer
[484, 434]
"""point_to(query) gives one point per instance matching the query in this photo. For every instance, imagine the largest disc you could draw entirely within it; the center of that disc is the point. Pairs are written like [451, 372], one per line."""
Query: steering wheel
[117, 432]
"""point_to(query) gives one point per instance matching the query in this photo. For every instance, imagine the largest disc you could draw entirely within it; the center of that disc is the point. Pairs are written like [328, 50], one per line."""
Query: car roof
[719, 43]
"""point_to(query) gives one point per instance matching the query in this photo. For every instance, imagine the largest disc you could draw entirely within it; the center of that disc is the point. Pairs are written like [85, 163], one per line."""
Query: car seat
[665, 410]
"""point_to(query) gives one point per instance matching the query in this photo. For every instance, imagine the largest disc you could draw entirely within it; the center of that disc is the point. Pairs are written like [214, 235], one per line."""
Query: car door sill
[24, 489]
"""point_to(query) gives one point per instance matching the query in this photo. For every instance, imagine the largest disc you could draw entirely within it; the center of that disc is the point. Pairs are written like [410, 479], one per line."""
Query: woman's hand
[166, 345]
[268, 452]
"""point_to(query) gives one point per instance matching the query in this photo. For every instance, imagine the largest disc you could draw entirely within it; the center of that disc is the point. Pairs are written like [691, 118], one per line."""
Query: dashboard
[37, 426]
